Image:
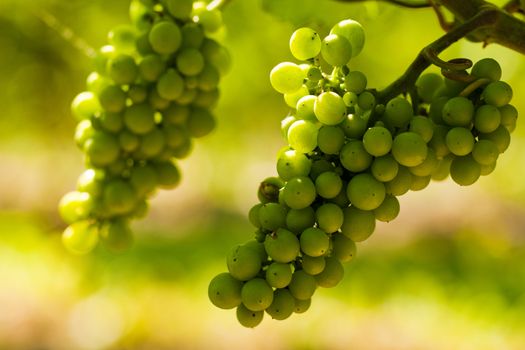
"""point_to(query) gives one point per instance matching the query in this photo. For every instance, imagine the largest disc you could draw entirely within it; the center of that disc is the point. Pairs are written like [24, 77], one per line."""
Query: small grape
[224, 291]
[353, 32]
[272, 216]
[298, 220]
[330, 139]
[355, 82]
[282, 246]
[487, 118]
[328, 184]
[384, 168]
[465, 170]
[497, 93]
[509, 115]
[286, 77]
[354, 156]
[422, 126]
[313, 265]
[256, 294]
[302, 286]
[299, 192]
[249, 318]
[398, 112]
[302, 136]
[458, 111]
[314, 242]
[80, 237]
[332, 274]
[282, 306]
[460, 141]
[336, 50]
[409, 149]
[358, 224]
[427, 85]
[305, 43]
[377, 141]
[279, 275]
[500, 137]
[485, 152]
[400, 184]
[165, 37]
[486, 68]
[329, 108]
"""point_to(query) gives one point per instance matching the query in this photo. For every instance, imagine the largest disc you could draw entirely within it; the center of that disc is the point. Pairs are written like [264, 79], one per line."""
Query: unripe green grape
[332, 274]
[256, 294]
[117, 235]
[208, 79]
[438, 142]
[180, 9]
[420, 182]
[80, 237]
[358, 224]
[302, 306]
[122, 38]
[224, 291]
[137, 93]
[465, 170]
[122, 69]
[292, 163]
[353, 32]
[336, 50]
[102, 149]
[314, 74]
[175, 114]
[329, 217]
[95, 82]
[365, 192]
[143, 179]
[453, 87]
[302, 136]
[299, 192]
[117, 168]
[485, 152]
[282, 306]
[291, 99]
[314, 242]
[170, 85]
[151, 144]
[216, 55]
[75, 206]
[112, 99]
[377, 141]
[428, 166]
[272, 216]
[427, 85]
[409, 149]
[258, 247]
[128, 142]
[486, 68]
[443, 169]
[165, 37]
[140, 211]
[343, 248]
[320, 166]
[278, 275]
[398, 112]
[286, 123]
[189, 96]
[248, 318]
[151, 67]
[355, 82]
[460, 141]
[328, 184]
[497, 93]
[366, 101]
[253, 215]
[313, 265]
[305, 43]
[156, 101]
[384, 168]
[119, 197]
[85, 105]
[286, 77]
[500, 137]
[282, 246]
[422, 126]
[90, 181]
[298, 220]
[458, 111]
[168, 175]
[182, 151]
[305, 108]
[141, 15]
[190, 62]
[104, 54]
[192, 35]
[487, 118]
[400, 184]
[302, 286]
[330, 139]
[142, 44]
[436, 109]
[329, 108]
[210, 19]
[175, 136]
[354, 157]
[509, 115]
[139, 118]
[354, 126]
[350, 99]
[200, 122]
[243, 263]
[487, 169]
[388, 210]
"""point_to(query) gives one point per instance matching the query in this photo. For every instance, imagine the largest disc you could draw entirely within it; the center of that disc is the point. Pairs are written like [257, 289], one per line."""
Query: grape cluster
[149, 96]
[349, 156]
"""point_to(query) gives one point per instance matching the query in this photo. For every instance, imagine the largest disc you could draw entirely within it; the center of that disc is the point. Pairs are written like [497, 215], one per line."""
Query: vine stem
[218, 4]
[403, 3]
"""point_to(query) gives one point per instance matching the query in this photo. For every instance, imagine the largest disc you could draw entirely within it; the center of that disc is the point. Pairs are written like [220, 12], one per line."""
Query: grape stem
[403, 3]
[217, 4]
[513, 6]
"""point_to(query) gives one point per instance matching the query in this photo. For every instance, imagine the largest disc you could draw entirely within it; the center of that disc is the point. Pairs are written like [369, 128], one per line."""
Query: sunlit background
[449, 273]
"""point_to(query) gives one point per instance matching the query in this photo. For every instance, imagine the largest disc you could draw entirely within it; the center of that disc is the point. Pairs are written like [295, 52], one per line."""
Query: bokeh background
[449, 273]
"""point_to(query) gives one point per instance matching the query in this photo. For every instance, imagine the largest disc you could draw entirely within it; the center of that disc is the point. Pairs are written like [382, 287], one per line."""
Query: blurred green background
[449, 273]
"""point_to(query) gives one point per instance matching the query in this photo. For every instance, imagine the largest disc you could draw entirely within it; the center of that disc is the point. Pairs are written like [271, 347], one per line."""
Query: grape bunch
[150, 95]
[349, 156]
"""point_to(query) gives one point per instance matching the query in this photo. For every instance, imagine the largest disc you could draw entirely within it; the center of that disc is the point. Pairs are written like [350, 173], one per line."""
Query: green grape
[350, 99]
[211, 20]
[200, 122]
[409, 149]
[142, 44]
[139, 118]
[302, 306]
[400, 184]
[460, 141]
[243, 263]
[175, 136]
[427, 85]
[330, 139]
[509, 115]
[224, 291]
[208, 78]
[328, 184]
[192, 35]
[388, 210]
[332, 274]
[302, 136]
[272, 216]
[384, 168]
[313, 265]
[336, 50]
[436, 109]
[151, 144]
[428, 166]
[168, 175]
[422, 126]
[358, 224]
[116, 235]
[299, 192]
[486, 68]
[151, 67]
[216, 55]
[256, 294]
[180, 9]
[102, 149]
[176, 114]
[141, 15]
[465, 170]
[143, 179]
[119, 197]
[497, 93]
[286, 123]
[420, 182]
[314, 242]
[85, 105]
[355, 82]
[354, 126]
[96, 83]
[83, 132]
[353, 32]
[314, 74]
[485, 152]
[122, 38]
[286, 77]
[320, 166]
[104, 54]
[282, 306]
[487, 169]
[458, 111]
[112, 99]
[156, 101]
[80, 237]
[453, 87]
[354, 157]
[366, 100]
[487, 118]
[305, 108]
[128, 142]
[249, 318]
[170, 85]
[258, 247]
[377, 141]
[438, 142]
[329, 108]
[305, 43]
[137, 93]
[190, 62]
[298, 220]
[365, 192]
[122, 69]
[291, 99]
[282, 246]
[398, 112]
[500, 137]
[343, 248]
[302, 286]
[165, 37]
[278, 275]
[75, 206]
[443, 169]
[292, 163]
[253, 215]
[329, 217]
[90, 181]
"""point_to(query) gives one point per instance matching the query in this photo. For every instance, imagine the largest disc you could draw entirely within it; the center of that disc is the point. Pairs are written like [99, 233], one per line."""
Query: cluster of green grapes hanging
[348, 158]
[149, 96]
